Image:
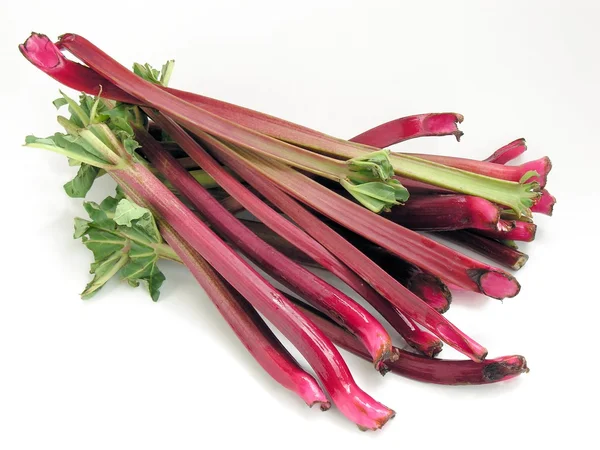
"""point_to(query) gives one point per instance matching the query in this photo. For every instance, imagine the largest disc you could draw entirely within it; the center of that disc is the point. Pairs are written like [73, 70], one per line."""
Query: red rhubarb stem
[428, 370]
[545, 205]
[449, 265]
[522, 231]
[288, 231]
[322, 295]
[197, 119]
[243, 319]
[354, 403]
[419, 283]
[418, 339]
[399, 130]
[509, 152]
[445, 213]
[490, 248]
[398, 295]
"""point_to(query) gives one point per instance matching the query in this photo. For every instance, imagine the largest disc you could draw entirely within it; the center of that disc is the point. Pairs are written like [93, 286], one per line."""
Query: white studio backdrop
[122, 372]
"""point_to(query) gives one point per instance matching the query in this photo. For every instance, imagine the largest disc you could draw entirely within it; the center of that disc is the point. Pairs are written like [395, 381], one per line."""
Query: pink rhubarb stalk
[509, 152]
[398, 295]
[490, 248]
[318, 350]
[517, 196]
[522, 231]
[452, 267]
[445, 213]
[545, 205]
[290, 232]
[354, 403]
[322, 295]
[429, 288]
[428, 370]
[243, 319]
[362, 170]
[399, 130]
[422, 284]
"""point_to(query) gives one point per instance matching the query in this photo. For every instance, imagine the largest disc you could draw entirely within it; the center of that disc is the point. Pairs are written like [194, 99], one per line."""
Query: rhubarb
[389, 288]
[96, 143]
[428, 370]
[322, 295]
[490, 248]
[509, 152]
[399, 130]
[141, 244]
[536, 170]
[521, 231]
[377, 196]
[301, 240]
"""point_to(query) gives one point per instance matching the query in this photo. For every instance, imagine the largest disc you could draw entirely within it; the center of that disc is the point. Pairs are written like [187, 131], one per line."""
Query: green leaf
[528, 175]
[103, 273]
[134, 244]
[66, 145]
[147, 72]
[101, 217]
[400, 192]
[166, 72]
[127, 211]
[375, 165]
[131, 145]
[78, 114]
[59, 102]
[81, 227]
[375, 195]
[79, 186]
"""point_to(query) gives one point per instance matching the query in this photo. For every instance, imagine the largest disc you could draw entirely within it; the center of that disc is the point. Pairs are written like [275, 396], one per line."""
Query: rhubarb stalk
[322, 295]
[243, 319]
[389, 288]
[521, 231]
[509, 152]
[399, 130]
[517, 196]
[490, 248]
[412, 334]
[428, 370]
[115, 155]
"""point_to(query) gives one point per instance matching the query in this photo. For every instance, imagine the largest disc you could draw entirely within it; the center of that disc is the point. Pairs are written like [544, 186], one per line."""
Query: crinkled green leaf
[59, 102]
[81, 227]
[375, 165]
[376, 196]
[100, 217]
[143, 266]
[131, 145]
[133, 244]
[149, 73]
[127, 211]
[401, 193]
[79, 186]
[103, 273]
[78, 115]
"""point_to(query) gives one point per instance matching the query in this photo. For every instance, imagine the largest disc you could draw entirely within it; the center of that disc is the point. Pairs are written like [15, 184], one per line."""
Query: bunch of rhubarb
[190, 170]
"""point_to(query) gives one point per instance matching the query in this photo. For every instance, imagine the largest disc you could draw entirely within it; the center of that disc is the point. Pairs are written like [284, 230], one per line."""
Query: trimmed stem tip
[398, 130]
[428, 370]
[446, 212]
[509, 152]
[521, 231]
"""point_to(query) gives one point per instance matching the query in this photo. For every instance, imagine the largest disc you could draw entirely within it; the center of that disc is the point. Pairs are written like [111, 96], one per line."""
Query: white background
[122, 372]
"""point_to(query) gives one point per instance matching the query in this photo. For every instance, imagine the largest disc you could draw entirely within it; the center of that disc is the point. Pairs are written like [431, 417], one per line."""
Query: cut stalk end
[505, 368]
[495, 284]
